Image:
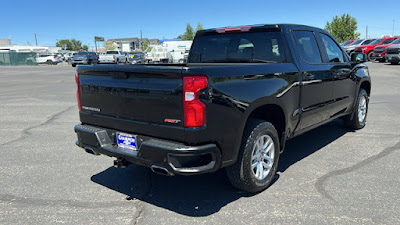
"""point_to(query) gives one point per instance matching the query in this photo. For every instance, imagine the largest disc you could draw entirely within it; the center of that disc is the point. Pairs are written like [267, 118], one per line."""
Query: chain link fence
[18, 58]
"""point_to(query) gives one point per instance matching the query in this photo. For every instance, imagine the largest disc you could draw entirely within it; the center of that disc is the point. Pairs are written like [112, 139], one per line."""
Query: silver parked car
[351, 47]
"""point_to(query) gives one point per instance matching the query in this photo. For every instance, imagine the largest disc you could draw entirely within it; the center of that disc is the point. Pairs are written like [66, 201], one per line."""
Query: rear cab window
[238, 47]
[308, 47]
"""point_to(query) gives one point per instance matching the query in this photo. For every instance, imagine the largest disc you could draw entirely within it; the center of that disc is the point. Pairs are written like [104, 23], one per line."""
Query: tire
[49, 62]
[370, 56]
[394, 63]
[243, 174]
[73, 65]
[181, 61]
[359, 115]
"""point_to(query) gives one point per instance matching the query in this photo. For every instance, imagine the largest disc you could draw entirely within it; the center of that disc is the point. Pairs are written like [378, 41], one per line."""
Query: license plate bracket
[127, 141]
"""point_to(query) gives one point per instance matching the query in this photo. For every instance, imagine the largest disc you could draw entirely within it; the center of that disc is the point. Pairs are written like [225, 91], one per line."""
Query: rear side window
[112, 52]
[332, 49]
[308, 46]
[242, 47]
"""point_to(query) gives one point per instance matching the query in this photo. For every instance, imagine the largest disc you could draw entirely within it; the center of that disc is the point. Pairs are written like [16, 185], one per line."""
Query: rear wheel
[358, 119]
[258, 157]
[73, 65]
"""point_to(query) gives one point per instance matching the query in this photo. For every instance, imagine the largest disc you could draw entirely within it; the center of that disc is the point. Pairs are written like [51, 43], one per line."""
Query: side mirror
[358, 57]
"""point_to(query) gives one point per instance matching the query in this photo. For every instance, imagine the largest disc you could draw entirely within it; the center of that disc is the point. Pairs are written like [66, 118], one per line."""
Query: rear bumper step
[162, 156]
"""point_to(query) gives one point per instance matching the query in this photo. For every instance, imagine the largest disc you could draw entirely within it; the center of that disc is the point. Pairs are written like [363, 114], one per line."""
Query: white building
[29, 48]
[5, 41]
[131, 44]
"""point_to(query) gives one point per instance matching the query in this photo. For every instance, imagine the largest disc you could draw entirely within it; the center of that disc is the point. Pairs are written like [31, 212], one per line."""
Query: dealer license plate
[127, 141]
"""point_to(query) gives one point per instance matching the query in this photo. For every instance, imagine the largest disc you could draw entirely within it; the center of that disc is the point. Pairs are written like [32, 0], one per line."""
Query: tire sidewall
[262, 129]
[360, 94]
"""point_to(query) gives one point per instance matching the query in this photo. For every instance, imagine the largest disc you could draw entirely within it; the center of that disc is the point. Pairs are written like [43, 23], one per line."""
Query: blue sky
[52, 20]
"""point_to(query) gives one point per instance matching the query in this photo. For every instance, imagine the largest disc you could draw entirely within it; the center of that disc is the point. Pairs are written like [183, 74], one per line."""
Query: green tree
[145, 46]
[70, 44]
[85, 48]
[199, 27]
[343, 28]
[189, 33]
[109, 45]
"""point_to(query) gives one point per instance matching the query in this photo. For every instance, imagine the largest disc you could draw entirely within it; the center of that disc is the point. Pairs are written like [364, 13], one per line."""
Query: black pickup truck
[243, 92]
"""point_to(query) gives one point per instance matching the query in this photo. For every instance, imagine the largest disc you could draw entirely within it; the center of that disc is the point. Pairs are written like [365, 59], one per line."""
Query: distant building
[5, 41]
[29, 48]
[166, 40]
[131, 44]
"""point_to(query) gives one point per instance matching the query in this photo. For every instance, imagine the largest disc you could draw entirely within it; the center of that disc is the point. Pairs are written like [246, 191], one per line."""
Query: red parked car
[369, 49]
[380, 51]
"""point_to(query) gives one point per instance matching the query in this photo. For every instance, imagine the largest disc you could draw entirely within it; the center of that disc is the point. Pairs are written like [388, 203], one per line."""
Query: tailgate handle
[121, 75]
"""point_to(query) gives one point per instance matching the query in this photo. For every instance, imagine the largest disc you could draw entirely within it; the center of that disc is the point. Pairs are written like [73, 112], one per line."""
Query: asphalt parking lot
[328, 176]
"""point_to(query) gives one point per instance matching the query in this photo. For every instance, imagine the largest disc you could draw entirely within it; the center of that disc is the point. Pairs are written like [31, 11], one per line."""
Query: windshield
[345, 43]
[243, 47]
[366, 42]
[357, 42]
[377, 41]
[136, 55]
[112, 52]
[397, 41]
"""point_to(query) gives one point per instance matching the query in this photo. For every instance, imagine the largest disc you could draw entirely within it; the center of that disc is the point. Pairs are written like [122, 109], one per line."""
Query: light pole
[393, 29]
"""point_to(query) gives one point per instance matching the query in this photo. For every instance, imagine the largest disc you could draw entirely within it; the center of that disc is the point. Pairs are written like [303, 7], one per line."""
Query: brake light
[78, 93]
[54, 56]
[113, 56]
[193, 108]
[234, 29]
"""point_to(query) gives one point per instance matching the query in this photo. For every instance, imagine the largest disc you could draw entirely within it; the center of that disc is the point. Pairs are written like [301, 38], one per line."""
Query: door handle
[308, 76]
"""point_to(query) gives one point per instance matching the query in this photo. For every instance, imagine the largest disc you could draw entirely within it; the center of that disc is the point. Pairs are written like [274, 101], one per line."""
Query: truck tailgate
[141, 94]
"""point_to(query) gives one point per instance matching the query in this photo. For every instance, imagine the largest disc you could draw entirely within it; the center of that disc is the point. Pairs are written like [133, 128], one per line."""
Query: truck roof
[262, 26]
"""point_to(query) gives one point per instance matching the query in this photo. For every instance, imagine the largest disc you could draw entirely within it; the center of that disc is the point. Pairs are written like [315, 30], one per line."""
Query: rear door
[317, 82]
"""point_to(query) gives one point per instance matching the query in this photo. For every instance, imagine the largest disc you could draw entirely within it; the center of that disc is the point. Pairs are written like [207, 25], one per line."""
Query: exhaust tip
[161, 170]
[90, 151]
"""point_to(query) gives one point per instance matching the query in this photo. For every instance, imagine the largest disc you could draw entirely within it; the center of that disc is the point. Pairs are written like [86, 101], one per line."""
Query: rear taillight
[55, 56]
[78, 93]
[193, 108]
[113, 56]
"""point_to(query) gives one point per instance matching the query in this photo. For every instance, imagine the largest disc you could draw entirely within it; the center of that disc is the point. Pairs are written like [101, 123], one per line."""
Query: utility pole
[366, 32]
[35, 39]
[141, 39]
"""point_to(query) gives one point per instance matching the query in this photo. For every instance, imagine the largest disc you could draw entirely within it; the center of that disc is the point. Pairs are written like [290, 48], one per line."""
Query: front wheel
[371, 56]
[358, 119]
[258, 157]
